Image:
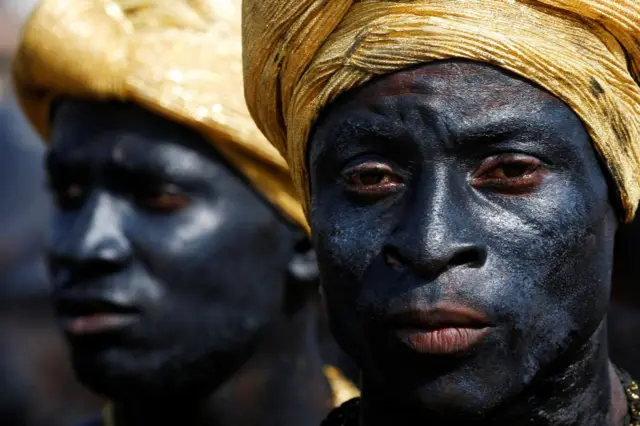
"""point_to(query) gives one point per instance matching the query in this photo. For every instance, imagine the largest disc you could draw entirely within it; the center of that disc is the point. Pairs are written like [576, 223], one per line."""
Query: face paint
[463, 230]
[166, 264]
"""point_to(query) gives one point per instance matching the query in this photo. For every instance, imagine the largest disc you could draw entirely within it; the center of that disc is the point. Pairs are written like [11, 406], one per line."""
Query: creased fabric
[179, 58]
[299, 56]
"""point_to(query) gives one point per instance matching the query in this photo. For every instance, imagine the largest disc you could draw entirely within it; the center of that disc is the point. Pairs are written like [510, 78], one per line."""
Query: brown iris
[509, 173]
[372, 179]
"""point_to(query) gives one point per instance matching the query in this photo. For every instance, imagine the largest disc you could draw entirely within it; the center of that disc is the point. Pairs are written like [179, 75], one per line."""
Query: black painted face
[166, 264]
[463, 230]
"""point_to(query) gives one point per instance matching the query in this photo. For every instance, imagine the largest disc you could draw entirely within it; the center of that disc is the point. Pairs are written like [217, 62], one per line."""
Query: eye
[372, 179]
[163, 199]
[510, 173]
[68, 195]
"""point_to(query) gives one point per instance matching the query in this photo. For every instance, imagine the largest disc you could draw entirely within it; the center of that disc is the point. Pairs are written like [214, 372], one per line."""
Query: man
[464, 166]
[183, 277]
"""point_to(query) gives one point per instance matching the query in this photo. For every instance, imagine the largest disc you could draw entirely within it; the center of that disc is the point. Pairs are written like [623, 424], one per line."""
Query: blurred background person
[179, 264]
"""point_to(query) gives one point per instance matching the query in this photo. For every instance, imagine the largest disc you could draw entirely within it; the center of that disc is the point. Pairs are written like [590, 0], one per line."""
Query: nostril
[472, 257]
[66, 269]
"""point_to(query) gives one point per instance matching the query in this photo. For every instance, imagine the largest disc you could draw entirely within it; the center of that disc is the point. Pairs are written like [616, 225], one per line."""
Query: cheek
[347, 244]
[179, 235]
[219, 256]
[556, 248]
[346, 241]
[221, 285]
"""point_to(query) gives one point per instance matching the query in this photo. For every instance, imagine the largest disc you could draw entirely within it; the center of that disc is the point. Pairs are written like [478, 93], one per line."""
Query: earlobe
[303, 266]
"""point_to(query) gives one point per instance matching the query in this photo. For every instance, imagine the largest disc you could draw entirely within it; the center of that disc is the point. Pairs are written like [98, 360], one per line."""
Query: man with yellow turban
[464, 165]
[183, 276]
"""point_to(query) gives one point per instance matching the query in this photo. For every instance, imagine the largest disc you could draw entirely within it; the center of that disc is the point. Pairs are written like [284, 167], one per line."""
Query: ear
[303, 266]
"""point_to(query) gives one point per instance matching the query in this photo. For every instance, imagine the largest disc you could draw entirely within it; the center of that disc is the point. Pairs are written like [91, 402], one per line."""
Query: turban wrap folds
[178, 58]
[300, 55]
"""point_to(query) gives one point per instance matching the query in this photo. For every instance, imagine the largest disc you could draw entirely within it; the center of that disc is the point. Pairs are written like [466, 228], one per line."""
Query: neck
[282, 383]
[581, 391]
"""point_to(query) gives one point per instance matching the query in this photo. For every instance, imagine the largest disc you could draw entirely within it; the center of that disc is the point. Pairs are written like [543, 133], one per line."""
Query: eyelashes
[372, 180]
[161, 199]
[509, 174]
[505, 173]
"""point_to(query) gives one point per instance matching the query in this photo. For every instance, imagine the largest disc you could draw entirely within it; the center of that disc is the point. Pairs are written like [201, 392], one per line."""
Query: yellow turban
[178, 58]
[300, 55]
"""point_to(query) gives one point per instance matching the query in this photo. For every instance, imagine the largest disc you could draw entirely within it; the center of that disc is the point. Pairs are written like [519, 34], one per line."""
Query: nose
[90, 241]
[437, 233]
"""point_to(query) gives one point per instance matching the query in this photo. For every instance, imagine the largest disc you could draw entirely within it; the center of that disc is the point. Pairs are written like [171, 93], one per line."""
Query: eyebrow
[491, 130]
[487, 130]
[144, 170]
[61, 164]
[359, 128]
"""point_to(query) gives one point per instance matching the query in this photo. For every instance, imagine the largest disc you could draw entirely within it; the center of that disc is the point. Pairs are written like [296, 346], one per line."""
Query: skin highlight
[451, 198]
[185, 297]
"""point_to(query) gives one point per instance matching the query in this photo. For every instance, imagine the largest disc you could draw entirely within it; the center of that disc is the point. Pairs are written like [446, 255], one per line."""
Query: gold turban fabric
[178, 58]
[300, 55]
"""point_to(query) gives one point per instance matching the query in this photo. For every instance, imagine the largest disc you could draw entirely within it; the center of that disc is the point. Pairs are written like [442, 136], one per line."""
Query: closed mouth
[442, 330]
[83, 317]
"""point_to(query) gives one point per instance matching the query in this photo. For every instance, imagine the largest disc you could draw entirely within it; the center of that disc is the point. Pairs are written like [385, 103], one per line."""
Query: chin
[154, 375]
[119, 373]
[481, 384]
[462, 386]
[461, 397]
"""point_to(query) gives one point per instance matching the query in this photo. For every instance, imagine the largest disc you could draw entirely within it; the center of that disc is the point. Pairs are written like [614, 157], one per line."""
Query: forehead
[123, 132]
[474, 81]
[465, 95]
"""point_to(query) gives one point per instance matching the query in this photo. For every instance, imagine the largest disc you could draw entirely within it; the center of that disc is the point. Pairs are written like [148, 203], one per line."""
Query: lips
[443, 330]
[89, 317]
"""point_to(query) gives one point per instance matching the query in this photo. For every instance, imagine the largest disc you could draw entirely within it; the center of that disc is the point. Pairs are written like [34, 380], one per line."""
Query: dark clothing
[348, 413]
